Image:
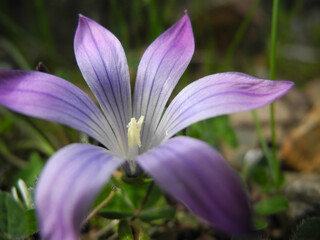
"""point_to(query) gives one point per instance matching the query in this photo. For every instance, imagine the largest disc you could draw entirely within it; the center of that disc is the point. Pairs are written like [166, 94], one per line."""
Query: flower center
[134, 143]
[134, 129]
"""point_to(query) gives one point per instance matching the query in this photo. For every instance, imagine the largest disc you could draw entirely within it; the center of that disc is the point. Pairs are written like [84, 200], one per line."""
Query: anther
[134, 129]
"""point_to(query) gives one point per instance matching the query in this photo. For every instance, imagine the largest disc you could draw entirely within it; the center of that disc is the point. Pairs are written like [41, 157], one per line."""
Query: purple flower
[136, 135]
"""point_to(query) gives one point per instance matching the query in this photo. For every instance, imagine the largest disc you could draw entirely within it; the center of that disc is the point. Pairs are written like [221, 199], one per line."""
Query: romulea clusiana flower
[135, 132]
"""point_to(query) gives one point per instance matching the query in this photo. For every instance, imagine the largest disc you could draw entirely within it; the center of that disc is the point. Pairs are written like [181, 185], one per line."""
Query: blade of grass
[12, 28]
[275, 165]
[44, 25]
[8, 156]
[118, 21]
[14, 52]
[28, 127]
[238, 36]
[155, 23]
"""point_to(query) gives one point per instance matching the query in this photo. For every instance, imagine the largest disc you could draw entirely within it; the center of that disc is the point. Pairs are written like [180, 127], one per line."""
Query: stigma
[134, 129]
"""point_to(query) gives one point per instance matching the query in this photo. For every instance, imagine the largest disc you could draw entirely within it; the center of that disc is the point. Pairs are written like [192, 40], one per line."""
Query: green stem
[100, 206]
[275, 11]
[263, 142]
[144, 200]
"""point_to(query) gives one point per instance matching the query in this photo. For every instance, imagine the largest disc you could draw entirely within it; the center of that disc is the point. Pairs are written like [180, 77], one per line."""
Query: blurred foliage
[33, 29]
[15, 221]
[271, 205]
[308, 230]
[128, 198]
[220, 132]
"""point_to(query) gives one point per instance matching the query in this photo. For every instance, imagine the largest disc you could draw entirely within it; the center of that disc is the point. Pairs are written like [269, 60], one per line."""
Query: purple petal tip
[82, 18]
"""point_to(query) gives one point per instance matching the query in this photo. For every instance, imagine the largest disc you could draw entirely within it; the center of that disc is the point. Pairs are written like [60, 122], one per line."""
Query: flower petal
[194, 173]
[103, 64]
[215, 95]
[160, 69]
[48, 97]
[68, 185]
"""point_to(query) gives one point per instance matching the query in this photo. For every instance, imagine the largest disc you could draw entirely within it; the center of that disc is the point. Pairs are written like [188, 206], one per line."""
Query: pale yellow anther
[134, 129]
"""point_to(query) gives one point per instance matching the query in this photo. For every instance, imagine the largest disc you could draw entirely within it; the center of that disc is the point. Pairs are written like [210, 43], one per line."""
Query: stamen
[134, 129]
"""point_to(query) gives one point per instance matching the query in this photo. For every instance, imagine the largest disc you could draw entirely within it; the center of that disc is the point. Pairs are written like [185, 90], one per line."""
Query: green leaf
[115, 214]
[125, 231]
[308, 230]
[259, 174]
[118, 207]
[220, 131]
[31, 172]
[136, 193]
[128, 198]
[13, 221]
[166, 212]
[32, 221]
[5, 124]
[272, 205]
[259, 224]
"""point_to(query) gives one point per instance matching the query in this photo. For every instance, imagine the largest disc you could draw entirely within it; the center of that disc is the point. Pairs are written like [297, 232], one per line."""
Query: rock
[302, 187]
[298, 210]
[301, 149]
[298, 105]
[303, 193]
